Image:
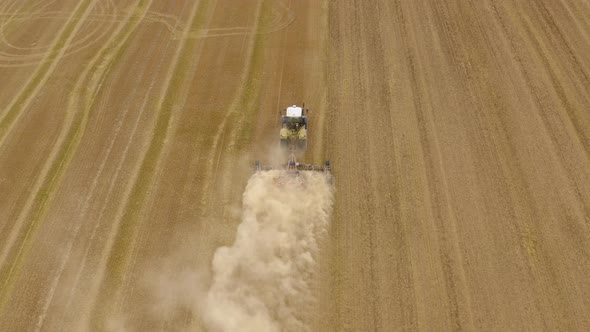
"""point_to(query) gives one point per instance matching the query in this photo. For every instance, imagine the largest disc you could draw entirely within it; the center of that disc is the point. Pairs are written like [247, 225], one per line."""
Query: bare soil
[459, 132]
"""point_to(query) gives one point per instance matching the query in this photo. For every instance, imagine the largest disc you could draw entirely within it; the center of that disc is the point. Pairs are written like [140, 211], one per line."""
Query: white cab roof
[294, 111]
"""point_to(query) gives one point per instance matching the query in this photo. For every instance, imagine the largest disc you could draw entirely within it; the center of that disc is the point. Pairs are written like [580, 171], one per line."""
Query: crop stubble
[459, 132]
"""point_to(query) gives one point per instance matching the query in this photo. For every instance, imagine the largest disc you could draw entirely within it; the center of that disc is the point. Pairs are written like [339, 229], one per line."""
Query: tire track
[241, 109]
[83, 96]
[47, 166]
[192, 184]
[115, 177]
[38, 79]
[100, 216]
[11, 17]
[127, 286]
[124, 237]
[9, 60]
[219, 141]
[15, 228]
[100, 8]
[15, 60]
[223, 151]
[152, 52]
[6, 5]
[279, 20]
[25, 17]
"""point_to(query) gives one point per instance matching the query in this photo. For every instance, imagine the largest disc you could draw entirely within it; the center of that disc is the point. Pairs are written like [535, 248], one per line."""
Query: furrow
[46, 67]
[82, 98]
[124, 237]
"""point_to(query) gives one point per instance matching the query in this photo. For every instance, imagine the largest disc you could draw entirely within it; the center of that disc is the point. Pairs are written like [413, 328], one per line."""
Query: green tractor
[294, 140]
[294, 129]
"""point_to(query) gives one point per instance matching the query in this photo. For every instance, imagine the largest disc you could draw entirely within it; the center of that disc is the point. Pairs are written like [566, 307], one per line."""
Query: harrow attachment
[291, 171]
[295, 166]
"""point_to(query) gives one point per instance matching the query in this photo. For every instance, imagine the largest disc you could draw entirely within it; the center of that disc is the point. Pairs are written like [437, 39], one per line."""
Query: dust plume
[263, 282]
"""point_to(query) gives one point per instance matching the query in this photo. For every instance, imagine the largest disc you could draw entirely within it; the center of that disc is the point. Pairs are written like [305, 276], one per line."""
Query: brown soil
[459, 132]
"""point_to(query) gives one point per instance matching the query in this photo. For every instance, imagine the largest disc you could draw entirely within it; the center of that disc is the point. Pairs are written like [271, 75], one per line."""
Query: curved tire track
[44, 70]
[87, 88]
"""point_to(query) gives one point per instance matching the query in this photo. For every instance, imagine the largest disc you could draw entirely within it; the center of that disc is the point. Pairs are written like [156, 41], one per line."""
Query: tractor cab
[294, 118]
[294, 127]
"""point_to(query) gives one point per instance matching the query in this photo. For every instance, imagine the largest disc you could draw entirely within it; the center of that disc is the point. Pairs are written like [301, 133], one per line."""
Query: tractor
[293, 140]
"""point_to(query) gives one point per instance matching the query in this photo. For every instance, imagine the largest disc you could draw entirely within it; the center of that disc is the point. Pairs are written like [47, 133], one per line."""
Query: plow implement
[293, 173]
[293, 166]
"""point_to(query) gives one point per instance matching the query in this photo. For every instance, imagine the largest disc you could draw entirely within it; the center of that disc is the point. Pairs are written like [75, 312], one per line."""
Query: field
[459, 132]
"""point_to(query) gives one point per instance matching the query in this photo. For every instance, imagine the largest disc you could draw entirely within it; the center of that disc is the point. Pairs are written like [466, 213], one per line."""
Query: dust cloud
[264, 281]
